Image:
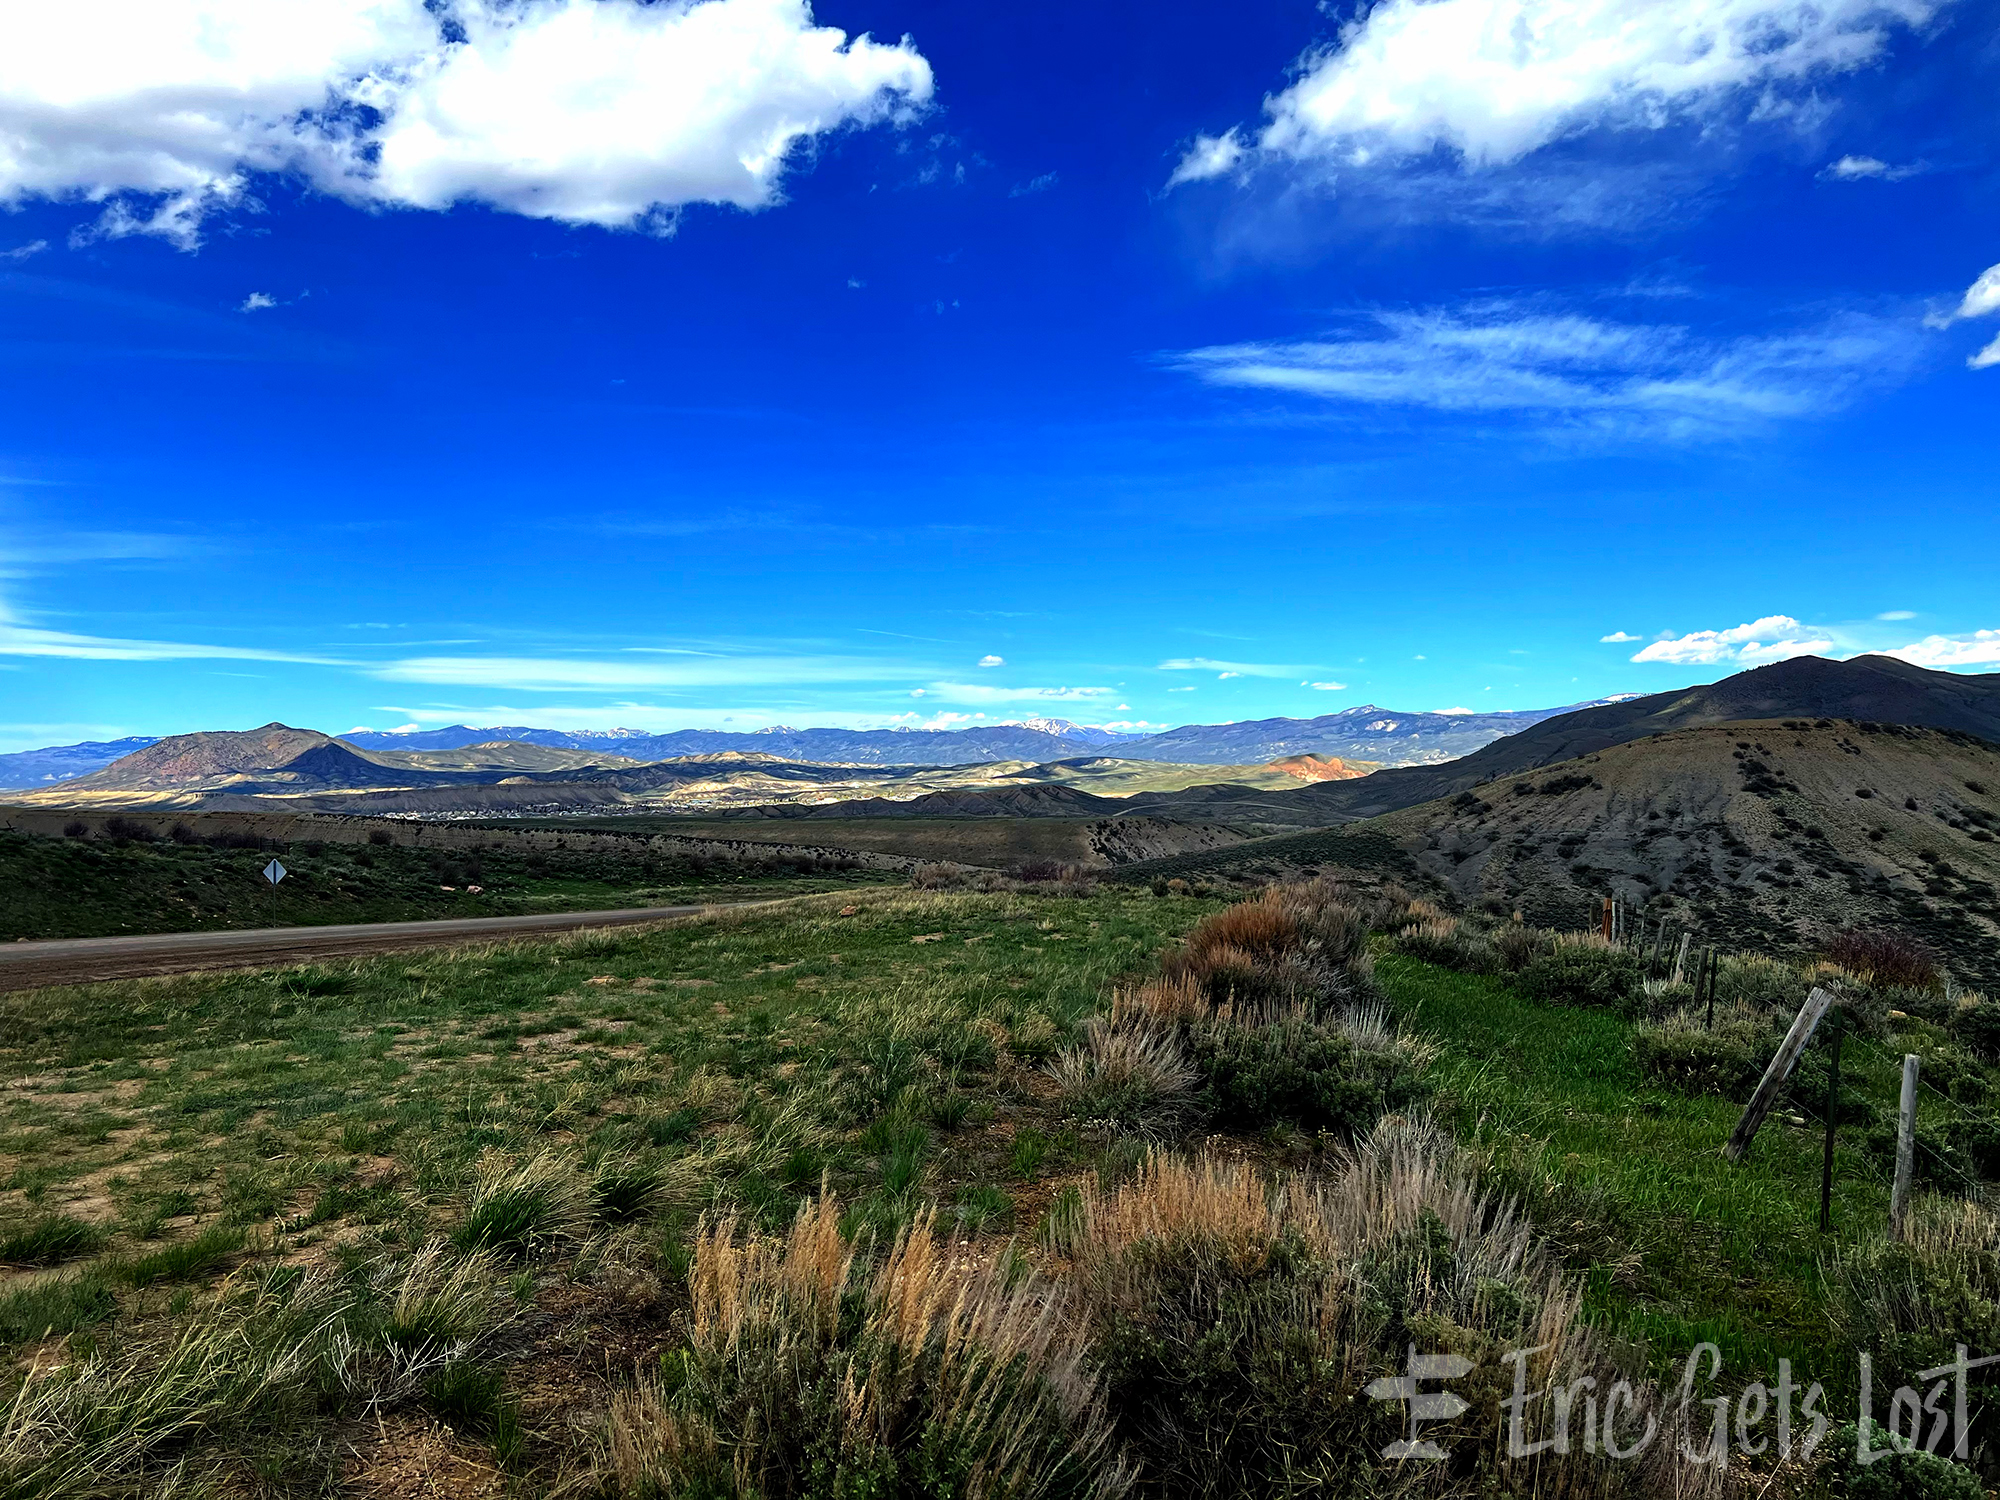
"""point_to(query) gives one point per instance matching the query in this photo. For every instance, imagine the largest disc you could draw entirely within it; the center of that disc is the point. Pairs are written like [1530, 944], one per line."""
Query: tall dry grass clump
[1239, 1321]
[145, 1414]
[941, 1370]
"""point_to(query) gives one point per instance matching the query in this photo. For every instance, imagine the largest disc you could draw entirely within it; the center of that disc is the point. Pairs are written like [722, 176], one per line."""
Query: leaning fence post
[1906, 1147]
[1681, 958]
[1803, 1026]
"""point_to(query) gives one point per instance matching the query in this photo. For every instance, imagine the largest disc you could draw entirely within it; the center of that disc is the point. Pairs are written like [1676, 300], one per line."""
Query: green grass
[57, 887]
[50, 1241]
[708, 1062]
[56, 1305]
[1727, 1253]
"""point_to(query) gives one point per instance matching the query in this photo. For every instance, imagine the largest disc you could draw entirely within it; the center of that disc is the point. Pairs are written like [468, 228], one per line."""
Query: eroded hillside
[1759, 832]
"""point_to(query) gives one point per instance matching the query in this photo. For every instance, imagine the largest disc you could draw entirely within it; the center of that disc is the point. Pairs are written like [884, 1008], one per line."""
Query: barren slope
[1752, 832]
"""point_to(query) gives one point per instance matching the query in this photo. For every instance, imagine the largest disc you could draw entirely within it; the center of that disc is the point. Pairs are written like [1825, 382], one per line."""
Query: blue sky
[584, 362]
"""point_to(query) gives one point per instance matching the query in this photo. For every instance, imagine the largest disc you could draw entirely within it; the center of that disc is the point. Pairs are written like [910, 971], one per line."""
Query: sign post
[275, 872]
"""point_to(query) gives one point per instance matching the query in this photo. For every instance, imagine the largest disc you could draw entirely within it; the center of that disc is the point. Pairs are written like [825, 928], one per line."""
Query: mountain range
[1370, 734]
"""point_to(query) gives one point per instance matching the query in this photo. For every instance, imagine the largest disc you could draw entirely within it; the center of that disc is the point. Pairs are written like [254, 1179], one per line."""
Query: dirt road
[26, 966]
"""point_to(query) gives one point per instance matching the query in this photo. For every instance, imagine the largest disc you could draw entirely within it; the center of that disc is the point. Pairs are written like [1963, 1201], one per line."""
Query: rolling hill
[1750, 832]
[1876, 689]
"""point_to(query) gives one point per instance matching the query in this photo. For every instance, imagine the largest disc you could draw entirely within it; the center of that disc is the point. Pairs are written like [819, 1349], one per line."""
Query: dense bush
[1978, 1026]
[1451, 944]
[1911, 1303]
[1236, 1321]
[1884, 958]
[1305, 1072]
[1584, 973]
[1900, 1474]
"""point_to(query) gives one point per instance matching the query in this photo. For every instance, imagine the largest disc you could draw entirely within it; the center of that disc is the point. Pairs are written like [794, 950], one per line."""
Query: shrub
[1302, 1071]
[1293, 944]
[946, 1372]
[1883, 957]
[1912, 1302]
[1139, 1075]
[1901, 1473]
[1446, 941]
[1237, 1321]
[1516, 946]
[1584, 973]
[1679, 1054]
[1978, 1026]
[1759, 983]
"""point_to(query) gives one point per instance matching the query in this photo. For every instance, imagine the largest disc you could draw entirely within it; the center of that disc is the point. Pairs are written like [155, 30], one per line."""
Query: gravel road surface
[32, 965]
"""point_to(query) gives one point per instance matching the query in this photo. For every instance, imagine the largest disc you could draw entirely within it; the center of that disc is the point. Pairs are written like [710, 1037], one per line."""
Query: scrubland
[1061, 1190]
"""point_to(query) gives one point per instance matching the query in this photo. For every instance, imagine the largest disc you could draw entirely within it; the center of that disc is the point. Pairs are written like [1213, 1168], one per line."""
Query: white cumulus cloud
[1616, 636]
[1941, 652]
[992, 661]
[1869, 169]
[608, 112]
[1772, 638]
[1328, 687]
[1980, 299]
[1492, 81]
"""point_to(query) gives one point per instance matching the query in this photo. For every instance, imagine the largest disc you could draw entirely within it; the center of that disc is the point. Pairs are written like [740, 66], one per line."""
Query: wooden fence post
[1681, 958]
[1832, 1121]
[1607, 919]
[1803, 1026]
[1906, 1148]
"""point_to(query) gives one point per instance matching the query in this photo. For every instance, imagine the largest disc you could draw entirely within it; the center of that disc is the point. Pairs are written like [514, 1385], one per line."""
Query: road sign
[275, 872]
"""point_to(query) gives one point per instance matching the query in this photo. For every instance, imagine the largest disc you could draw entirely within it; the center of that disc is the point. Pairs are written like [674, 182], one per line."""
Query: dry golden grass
[799, 1360]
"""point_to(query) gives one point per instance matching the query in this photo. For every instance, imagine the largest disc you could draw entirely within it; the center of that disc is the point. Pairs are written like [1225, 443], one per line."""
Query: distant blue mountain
[1386, 736]
[872, 747]
[33, 768]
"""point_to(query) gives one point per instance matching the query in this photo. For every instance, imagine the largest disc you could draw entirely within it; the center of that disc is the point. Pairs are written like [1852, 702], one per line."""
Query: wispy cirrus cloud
[975, 692]
[1232, 668]
[654, 668]
[1571, 369]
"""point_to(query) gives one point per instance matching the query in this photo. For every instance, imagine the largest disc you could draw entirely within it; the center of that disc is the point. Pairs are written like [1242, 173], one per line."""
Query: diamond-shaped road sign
[275, 872]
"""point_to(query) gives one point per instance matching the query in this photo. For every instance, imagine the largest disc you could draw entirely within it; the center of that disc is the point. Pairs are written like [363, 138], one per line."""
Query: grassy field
[1678, 1245]
[96, 887]
[494, 1164]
